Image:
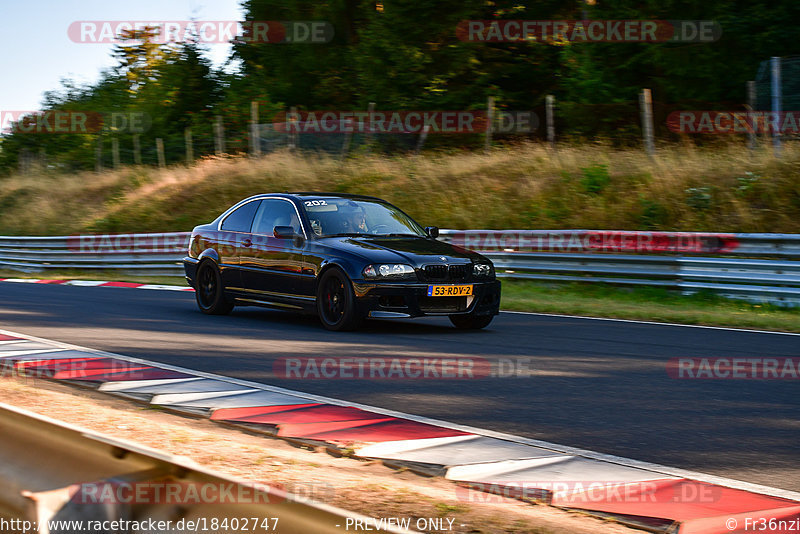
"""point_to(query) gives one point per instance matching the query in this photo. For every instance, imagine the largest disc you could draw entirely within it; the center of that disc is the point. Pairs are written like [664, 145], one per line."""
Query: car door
[272, 267]
[233, 238]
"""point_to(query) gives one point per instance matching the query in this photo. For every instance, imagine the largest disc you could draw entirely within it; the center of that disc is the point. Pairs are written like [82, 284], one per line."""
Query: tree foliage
[408, 55]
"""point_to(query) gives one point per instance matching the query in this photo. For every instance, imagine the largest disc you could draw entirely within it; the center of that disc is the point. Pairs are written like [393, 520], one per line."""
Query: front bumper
[190, 270]
[393, 299]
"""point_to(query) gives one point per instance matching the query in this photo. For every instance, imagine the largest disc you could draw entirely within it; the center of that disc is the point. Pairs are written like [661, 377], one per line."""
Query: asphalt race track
[599, 385]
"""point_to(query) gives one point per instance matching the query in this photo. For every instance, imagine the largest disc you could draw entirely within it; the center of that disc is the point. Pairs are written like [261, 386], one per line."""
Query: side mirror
[432, 231]
[284, 232]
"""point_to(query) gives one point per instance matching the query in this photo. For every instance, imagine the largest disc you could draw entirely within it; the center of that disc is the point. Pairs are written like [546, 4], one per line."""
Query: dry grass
[721, 188]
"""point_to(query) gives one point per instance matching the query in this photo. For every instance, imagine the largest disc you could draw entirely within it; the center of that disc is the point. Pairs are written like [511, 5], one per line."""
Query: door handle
[247, 243]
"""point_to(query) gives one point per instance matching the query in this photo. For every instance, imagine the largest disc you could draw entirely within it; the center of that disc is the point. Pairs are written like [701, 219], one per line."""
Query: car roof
[314, 194]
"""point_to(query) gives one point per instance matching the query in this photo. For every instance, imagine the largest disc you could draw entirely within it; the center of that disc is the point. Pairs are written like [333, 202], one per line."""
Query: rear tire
[336, 304]
[210, 293]
[471, 322]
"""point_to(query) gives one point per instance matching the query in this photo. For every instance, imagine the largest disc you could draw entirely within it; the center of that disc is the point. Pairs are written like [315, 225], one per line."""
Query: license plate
[449, 291]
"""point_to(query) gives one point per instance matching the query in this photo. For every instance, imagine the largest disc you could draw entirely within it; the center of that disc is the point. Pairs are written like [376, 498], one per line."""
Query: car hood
[412, 250]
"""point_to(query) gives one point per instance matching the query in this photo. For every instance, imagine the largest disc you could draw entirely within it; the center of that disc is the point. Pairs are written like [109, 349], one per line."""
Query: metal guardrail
[53, 472]
[143, 254]
[756, 267]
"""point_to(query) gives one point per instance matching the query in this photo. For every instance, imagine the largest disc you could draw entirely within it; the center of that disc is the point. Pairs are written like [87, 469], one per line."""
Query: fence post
[368, 137]
[549, 101]
[160, 151]
[489, 123]
[348, 134]
[646, 106]
[219, 136]
[775, 63]
[115, 152]
[752, 122]
[137, 150]
[291, 124]
[422, 137]
[187, 138]
[98, 154]
[255, 133]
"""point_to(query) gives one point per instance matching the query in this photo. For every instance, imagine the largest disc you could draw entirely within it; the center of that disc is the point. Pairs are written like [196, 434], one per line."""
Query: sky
[37, 52]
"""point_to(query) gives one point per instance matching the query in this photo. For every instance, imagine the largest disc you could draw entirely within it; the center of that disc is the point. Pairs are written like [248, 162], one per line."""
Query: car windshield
[344, 216]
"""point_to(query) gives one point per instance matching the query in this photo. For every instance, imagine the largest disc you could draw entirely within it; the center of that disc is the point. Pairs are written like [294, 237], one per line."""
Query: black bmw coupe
[343, 257]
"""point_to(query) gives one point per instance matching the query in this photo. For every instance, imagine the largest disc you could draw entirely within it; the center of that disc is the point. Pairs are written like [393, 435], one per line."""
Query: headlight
[389, 270]
[481, 270]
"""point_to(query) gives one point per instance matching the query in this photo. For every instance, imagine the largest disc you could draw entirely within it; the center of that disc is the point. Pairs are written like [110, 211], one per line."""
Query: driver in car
[354, 219]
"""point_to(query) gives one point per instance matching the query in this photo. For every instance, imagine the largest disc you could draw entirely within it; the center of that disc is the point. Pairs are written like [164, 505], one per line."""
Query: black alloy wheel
[210, 292]
[336, 301]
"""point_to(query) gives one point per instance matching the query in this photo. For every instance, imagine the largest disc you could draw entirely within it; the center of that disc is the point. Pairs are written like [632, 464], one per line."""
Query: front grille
[442, 304]
[458, 273]
[436, 272]
[446, 273]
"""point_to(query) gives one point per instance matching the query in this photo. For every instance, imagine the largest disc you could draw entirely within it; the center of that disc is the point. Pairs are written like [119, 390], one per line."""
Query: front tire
[471, 322]
[336, 304]
[210, 293]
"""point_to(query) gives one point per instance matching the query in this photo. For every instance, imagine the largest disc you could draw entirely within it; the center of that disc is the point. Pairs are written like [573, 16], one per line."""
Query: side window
[274, 212]
[241, 219]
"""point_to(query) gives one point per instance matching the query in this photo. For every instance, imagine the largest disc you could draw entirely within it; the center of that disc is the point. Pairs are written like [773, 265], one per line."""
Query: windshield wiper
[399, 235]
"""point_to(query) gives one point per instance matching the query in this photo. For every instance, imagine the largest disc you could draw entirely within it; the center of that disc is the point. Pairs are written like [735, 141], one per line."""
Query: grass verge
[591, 300]
[646, 304]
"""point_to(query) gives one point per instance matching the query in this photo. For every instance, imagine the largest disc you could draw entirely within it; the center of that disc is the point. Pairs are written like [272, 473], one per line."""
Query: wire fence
[776, 87]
